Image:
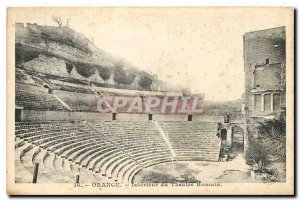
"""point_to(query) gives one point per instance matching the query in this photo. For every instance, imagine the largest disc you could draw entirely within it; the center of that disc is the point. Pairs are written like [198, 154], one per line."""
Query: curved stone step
[49, 161]
[86, 176]
[71, 153]
[65, 146]
[19, 151]
[39, 158]
[133, 173]
[78, 152]
[108, 164]
[116, 170]
[28, 157]
[58, 163]
[91, 163]
[125, 175]
[91, 156]
[66, 164]
[101, 158]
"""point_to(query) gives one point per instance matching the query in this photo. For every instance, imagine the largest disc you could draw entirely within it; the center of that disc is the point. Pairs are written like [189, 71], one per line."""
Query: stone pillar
[228, 127]
[272, 106]
[246, 136]
[229, 136]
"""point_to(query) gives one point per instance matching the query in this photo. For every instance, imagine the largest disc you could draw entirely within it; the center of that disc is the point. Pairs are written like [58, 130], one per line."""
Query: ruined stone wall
[264, 67]
[264, 63]
[34, 115]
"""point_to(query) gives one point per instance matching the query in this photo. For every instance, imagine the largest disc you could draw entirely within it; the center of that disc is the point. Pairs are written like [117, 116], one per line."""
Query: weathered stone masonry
[264, 67]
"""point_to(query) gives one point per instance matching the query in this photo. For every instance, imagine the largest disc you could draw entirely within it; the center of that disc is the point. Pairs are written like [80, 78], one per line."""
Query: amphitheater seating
[31, 93]
[193, 140]
[139, 143]
[36, 98]
[78, 89]
[106, 150]
[40, 140]
[78, 94]
[79, 101]
[87, 149]
[71, 85]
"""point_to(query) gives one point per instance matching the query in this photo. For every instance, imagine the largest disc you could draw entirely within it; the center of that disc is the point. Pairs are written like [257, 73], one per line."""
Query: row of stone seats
[36, 98]
[110, 163]
[79, 97]
[110, 150]
[79, 101]
[77, 88]
[71, 148]
[140, 140]
[35, 101]
[193, 140]
[190, 126]
[36, 152]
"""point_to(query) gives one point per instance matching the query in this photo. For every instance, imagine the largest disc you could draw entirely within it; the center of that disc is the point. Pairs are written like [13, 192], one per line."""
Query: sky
[199, 48]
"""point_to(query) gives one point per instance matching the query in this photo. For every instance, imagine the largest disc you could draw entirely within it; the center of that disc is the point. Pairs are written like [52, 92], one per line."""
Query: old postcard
[150, 101]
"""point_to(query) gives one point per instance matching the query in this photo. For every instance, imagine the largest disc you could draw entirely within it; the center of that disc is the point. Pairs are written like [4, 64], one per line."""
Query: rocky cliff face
[63, 52]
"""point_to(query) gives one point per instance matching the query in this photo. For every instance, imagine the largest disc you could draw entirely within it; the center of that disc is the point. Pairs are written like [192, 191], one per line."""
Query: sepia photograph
[150, 101]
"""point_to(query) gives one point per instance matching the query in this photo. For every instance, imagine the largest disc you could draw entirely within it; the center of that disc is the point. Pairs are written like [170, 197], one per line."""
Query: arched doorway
[226, 119]
[237, 139]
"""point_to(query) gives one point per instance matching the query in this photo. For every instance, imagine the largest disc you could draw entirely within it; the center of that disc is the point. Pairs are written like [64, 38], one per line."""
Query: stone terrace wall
[33, 115]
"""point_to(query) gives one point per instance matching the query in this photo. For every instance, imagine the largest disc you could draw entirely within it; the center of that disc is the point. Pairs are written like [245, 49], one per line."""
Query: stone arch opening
[226, 118]
[237, 139]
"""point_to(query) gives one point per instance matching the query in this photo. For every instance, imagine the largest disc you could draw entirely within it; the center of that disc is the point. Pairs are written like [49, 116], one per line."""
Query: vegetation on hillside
[145, 82]
[69, 67]
[104, 72]
[219, 108]
[122, 76]
[25, 54]
[272, 135]
[269, 146]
